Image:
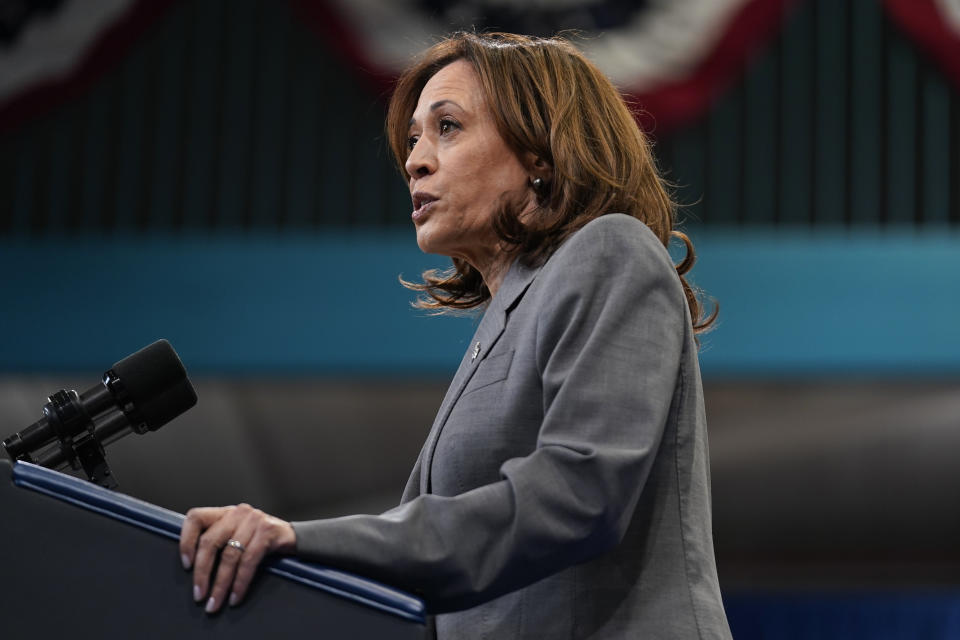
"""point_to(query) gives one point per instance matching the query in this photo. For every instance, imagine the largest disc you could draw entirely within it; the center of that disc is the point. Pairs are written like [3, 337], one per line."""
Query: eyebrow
[433, 107]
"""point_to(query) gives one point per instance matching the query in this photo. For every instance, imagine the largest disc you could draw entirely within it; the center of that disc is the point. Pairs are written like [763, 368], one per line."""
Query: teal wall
[811, 302]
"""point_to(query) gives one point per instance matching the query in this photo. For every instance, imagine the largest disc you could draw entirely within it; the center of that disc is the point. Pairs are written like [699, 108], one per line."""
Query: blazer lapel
[412, 489]
[491, 327]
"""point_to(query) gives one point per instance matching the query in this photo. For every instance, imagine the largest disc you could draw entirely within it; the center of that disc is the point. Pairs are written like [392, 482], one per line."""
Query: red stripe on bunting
[662, 109]
[327, 22]
[104, 54]
[672, 105]
[923, 21]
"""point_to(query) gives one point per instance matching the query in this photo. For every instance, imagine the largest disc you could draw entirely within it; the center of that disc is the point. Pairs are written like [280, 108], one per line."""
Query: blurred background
[215, 173]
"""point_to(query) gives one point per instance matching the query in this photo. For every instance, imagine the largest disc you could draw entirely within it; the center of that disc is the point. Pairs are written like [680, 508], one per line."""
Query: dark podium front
[82, 561]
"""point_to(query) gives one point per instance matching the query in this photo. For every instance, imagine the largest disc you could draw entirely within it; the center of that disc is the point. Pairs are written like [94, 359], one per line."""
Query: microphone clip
[76, 441]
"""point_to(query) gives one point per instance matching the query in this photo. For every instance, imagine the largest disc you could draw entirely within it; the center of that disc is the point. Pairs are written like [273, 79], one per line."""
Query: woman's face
[460, 169]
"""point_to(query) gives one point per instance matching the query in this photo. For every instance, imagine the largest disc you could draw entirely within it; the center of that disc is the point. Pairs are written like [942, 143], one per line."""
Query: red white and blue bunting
[672, 57]
[934, 25]
[52, 50]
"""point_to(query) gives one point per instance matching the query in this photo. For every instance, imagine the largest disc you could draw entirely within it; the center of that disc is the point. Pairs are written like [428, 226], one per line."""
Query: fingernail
[234, 599]
[185, 561]
[211, 605]
[197, 595]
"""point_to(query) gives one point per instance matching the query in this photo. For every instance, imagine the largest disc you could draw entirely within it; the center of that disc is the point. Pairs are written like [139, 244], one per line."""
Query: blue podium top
[167, 523]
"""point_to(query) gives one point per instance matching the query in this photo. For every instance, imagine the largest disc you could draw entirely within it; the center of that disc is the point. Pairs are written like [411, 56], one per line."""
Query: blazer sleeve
[609, 336]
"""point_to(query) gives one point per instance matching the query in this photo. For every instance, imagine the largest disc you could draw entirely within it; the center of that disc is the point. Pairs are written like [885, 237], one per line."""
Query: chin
[423, 241]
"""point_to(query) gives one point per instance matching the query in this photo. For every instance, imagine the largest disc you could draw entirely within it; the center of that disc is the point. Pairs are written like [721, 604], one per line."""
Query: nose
[422, 160]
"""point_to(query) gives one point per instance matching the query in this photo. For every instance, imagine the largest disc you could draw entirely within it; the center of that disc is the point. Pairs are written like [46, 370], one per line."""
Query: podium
[83, 561]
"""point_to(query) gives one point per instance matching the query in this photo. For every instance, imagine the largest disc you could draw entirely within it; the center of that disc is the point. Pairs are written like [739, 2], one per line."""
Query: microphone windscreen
[156, 383]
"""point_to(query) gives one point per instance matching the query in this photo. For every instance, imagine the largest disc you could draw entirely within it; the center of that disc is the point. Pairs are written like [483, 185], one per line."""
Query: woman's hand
[251, 535]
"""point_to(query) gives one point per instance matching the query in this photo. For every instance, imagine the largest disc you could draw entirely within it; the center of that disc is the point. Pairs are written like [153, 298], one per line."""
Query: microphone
[140, 393]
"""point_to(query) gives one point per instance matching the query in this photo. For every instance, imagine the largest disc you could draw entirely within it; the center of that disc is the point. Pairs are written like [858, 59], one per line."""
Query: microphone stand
[80, 439]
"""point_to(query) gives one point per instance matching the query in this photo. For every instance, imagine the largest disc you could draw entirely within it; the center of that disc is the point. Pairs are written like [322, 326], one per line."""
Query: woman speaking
[563, 491]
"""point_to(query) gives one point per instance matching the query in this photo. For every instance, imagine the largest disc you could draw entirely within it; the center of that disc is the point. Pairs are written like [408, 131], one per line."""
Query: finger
[259, 546]
[208, 547]
[230, 558]
[195, 522]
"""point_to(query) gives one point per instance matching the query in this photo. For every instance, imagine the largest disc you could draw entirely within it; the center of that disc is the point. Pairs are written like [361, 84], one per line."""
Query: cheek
[488, 167]
[480, 198]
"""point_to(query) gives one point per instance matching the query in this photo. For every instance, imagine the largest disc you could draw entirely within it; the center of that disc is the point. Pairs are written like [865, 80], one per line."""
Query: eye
[411, 142]
[447, 125]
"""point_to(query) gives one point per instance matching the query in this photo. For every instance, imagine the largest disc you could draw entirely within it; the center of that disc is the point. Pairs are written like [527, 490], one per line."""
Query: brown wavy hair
[547, 99]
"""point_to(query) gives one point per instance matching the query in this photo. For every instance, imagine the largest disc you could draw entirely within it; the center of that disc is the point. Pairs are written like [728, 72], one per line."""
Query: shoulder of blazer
[614, 242]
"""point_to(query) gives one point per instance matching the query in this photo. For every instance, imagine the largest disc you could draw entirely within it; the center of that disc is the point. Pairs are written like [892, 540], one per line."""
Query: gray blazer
[564, 490]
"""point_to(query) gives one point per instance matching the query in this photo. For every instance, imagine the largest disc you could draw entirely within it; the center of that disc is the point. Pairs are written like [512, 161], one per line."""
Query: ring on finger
[236, 544]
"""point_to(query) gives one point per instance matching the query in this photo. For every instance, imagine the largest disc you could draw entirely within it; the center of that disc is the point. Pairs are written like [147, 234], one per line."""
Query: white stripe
[664, 43]
[392, 33]
[950, 11]
[51, 47]
[661, 44]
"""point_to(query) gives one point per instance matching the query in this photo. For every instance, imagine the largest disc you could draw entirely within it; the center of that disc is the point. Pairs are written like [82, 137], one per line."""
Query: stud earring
[538, 184]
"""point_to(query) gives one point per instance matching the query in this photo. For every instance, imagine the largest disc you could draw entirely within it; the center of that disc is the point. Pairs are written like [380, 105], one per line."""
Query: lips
[422, 202]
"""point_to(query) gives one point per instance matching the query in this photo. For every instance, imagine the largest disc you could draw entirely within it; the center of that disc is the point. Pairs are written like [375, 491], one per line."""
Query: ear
[537, 167]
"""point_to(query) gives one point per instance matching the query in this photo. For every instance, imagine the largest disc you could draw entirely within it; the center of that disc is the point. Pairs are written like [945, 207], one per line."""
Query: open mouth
[422, 202]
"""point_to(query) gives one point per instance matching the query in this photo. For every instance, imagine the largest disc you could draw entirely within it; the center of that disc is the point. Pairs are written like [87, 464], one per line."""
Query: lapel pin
[476, 352]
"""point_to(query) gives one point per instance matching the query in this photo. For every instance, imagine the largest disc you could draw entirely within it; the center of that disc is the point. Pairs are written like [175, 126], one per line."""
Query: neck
[494, 271]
